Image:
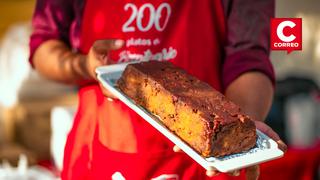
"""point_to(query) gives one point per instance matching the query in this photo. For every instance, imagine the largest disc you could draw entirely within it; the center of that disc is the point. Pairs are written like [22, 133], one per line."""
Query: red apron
[110, 140]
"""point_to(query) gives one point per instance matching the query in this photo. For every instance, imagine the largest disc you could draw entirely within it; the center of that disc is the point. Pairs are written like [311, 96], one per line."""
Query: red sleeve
[51, 20]
[248, 38]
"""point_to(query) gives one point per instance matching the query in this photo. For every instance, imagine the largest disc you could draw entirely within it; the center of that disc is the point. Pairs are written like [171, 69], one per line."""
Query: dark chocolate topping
[200, 96]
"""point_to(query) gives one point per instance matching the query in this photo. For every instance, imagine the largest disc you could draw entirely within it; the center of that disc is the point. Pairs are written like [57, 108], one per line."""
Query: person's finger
[282, 146]
[104, 46]
[212, 173]
[252, 172]
[107, 93]
[176, 149]
[234, 173]
[272, 134]
[101, 49]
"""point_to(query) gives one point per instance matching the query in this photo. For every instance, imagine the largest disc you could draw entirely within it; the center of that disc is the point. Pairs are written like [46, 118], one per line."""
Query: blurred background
[36, 114]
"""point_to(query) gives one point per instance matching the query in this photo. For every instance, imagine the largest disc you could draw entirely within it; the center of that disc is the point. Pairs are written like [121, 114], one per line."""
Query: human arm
[247, 72]
[253, 92]
[54, 48]
[50, 43]
[248, 75]
[55, 60]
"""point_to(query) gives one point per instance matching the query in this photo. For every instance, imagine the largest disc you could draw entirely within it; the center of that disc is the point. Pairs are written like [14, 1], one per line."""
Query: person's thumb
[100, 50]
[252, 172]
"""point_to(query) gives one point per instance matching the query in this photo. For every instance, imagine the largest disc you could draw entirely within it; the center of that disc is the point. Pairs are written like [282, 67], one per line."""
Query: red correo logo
[286, 34]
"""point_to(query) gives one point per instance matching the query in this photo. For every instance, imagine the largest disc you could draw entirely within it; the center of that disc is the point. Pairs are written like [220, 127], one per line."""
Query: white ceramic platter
[265, 150]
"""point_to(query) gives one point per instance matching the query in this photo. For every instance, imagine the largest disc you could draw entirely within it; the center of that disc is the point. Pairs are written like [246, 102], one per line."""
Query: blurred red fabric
[297, 163]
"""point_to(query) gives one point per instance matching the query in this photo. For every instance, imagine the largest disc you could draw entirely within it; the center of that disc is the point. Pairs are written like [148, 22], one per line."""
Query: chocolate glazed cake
[193, 110]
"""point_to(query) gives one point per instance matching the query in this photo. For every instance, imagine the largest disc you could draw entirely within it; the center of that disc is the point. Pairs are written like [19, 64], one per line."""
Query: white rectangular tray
[266, 149]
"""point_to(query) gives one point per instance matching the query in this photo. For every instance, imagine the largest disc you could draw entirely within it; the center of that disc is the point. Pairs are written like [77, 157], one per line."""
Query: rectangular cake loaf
[192, 109]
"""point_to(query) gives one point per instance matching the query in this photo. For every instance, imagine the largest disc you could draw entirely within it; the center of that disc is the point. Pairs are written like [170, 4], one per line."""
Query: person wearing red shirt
[224, 43]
